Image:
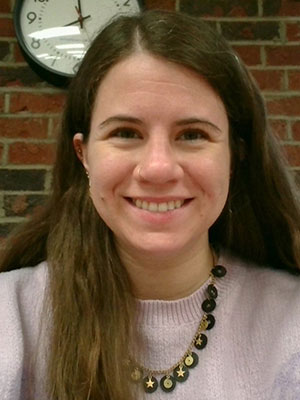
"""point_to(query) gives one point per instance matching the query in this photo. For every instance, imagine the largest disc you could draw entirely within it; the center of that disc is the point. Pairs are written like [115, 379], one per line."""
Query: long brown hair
[90, 294]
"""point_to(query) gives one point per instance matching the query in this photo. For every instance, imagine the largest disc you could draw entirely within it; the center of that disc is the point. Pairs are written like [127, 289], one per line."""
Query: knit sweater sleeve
[21, 295]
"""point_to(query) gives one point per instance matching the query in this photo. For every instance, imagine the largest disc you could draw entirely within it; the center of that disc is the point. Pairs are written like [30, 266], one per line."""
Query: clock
[54, 35]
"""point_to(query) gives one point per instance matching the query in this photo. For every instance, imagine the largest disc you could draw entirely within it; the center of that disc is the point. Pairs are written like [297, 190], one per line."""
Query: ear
[80, 149]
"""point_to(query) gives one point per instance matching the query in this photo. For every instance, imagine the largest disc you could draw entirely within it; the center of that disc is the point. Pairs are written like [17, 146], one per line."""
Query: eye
[125, 133]
[192, 135]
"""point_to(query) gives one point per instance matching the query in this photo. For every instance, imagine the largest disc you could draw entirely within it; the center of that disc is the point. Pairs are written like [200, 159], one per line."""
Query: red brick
[7, 27]
[159, 4]
[293, 155]
[23, 205]
[1, 151]
[296, 130]
[4, 51]
[22, 179]
[39, 103]
[293, 31]
[294, 80]
[19, 76]
[249, 54]
[283, 55]
[268, 80]
[31, 153]
[266, 30]
[233, 8]
[279, 128]
[284, 106]
[18, 53]
[240, 11]
[17, 206]
[23, 127]
[5, 6]
[281, 7]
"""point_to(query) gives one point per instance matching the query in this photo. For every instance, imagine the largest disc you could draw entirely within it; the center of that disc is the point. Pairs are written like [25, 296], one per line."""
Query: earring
[88, 176]
[79, 152]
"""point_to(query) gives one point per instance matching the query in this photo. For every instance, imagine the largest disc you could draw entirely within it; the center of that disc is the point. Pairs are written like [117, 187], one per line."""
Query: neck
[168, 278]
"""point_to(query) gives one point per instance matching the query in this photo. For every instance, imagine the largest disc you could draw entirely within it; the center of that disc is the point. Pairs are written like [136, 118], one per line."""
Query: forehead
[143, 81]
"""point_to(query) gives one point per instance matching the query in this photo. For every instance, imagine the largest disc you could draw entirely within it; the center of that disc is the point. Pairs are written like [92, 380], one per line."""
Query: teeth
[178, 204]
[171, 205]
[138, 203]
[152, 207]
[158, 207]
[163, 207]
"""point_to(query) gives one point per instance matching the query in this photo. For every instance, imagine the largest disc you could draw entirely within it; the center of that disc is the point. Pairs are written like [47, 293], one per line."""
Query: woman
[165, 261]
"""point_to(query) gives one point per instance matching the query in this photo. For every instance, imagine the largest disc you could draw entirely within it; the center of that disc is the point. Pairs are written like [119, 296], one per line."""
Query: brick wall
[266, 34]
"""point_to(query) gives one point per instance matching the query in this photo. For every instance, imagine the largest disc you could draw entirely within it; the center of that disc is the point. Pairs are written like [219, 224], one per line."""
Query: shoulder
[19, 277]
[21, 296]
[263, 295]
[264, 299]
[261, 315]
[21, 301]
[22, 286]
[279, 285]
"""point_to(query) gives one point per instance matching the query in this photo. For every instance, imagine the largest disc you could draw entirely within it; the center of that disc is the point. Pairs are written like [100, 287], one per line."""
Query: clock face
[57, 33]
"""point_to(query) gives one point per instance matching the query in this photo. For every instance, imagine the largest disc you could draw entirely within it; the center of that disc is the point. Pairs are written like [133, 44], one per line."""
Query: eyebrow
[189, 121]
[185, 121]
[120, 118]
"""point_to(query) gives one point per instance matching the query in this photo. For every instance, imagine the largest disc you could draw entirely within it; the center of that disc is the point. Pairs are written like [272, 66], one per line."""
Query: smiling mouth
[158, 207]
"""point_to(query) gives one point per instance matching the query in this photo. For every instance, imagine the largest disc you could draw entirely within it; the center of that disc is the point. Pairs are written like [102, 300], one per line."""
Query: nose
[159, 162]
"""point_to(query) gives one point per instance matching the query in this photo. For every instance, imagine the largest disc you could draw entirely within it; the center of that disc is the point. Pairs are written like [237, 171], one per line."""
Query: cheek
[212, 175]
[106, 174]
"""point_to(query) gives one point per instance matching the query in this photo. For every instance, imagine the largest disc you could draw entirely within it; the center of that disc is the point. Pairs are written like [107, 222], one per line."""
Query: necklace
[179, 372]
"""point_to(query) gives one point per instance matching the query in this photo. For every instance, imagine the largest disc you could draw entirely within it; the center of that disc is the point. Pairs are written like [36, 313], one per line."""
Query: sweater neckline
[181, 311]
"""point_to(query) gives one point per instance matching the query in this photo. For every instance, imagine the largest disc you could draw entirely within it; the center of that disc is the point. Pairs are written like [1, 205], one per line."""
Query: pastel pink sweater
[253, 352]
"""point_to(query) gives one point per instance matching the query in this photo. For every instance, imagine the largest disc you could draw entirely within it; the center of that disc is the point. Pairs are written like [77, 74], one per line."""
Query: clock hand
[77, 20]
[80, 18]
[79, 6]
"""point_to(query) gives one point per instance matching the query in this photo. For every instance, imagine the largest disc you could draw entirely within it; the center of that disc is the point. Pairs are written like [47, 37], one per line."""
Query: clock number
[126, 3]
[31, 16]
[41, 1]
[35, 44]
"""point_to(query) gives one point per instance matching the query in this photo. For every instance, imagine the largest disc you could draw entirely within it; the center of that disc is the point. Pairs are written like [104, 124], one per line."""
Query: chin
[158, 248]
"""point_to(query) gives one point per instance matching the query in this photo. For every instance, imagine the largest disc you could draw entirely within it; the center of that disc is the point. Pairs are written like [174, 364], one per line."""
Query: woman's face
[158, 156]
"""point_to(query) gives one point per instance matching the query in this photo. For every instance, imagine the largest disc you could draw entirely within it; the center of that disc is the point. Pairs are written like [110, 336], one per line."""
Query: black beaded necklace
[180, 371]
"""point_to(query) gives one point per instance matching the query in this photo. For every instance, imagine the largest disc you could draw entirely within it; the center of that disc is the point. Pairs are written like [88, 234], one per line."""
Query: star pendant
[180, 372]
[150, 383]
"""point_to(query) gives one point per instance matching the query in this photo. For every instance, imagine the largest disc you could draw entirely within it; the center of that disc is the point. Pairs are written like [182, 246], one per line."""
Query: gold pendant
[191, 360]
[181, 373]
[167, 383]
[136, 375]
[150, 384]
